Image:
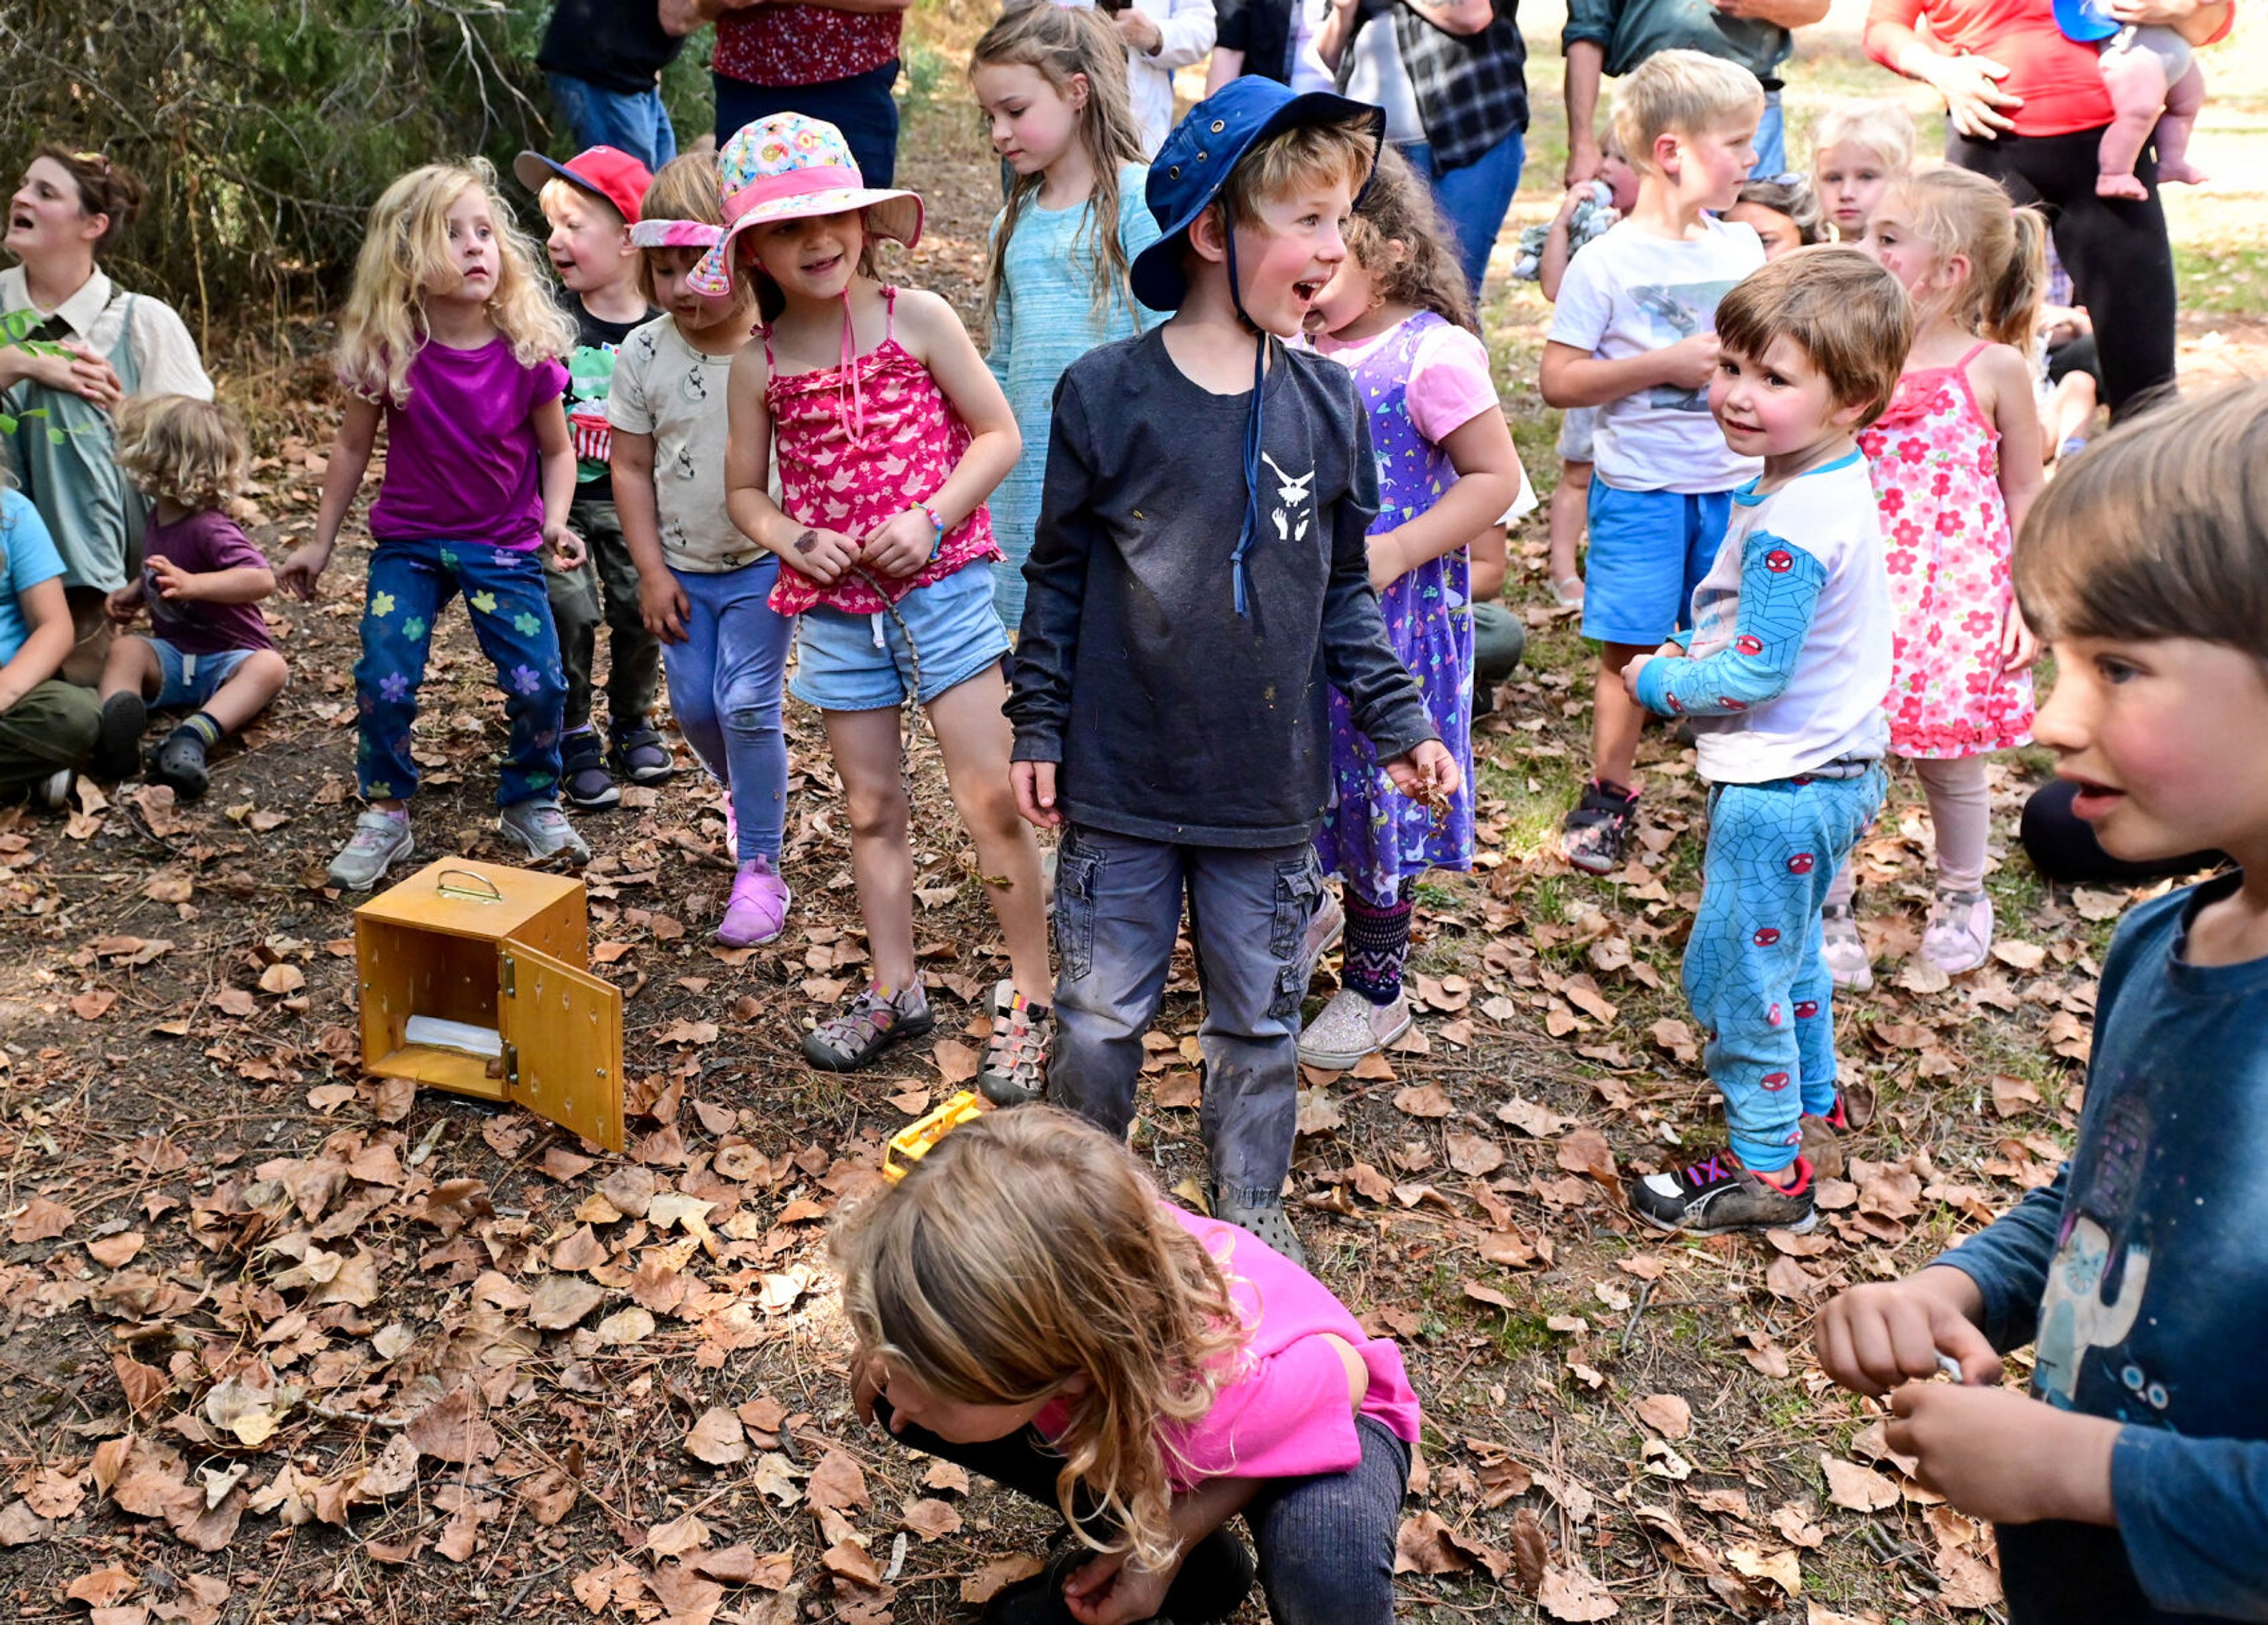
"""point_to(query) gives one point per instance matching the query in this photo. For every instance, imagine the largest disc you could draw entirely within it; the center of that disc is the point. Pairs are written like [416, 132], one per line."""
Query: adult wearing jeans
[604, 60]
[2027, 106]
[1614, 36]
[835, 60]
[1468, 65]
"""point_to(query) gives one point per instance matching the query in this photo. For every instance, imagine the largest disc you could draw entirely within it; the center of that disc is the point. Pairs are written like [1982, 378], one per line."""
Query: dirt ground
[281, 1341]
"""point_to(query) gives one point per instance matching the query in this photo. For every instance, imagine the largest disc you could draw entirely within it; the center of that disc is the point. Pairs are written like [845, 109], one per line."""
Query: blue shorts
[860, 663]
[1649, 550]
[191, 680]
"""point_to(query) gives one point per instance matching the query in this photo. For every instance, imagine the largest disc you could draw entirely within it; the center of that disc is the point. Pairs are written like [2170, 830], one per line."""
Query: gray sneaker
[1350, 1028]
[1265, 1220]
[1325, 927]
[540, 829]
[380, 841]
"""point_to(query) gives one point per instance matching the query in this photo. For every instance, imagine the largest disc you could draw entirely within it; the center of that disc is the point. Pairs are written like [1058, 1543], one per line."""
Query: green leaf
[57, 436]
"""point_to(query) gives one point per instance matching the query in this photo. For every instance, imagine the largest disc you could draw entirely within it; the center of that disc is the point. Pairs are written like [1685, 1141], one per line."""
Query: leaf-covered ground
[281, 1342]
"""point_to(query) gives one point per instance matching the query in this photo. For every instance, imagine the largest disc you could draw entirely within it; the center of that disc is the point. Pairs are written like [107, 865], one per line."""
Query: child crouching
[1789, 657]
[202, 581]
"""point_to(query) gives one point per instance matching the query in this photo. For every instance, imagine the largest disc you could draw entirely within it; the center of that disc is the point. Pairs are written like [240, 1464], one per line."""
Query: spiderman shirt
[2140, 1278]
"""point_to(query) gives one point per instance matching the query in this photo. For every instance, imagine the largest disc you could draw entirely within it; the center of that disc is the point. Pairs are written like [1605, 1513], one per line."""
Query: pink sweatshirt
[1284, 1413]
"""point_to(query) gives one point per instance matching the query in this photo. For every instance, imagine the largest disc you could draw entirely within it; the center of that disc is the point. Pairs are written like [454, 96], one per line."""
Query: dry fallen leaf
[716, 1439]
[1426, 1101]
[1569, 1594]
[1667, 1414]
[1780, 1568]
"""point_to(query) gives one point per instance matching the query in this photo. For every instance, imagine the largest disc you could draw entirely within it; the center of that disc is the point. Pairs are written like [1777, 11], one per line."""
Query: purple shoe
[757, 910]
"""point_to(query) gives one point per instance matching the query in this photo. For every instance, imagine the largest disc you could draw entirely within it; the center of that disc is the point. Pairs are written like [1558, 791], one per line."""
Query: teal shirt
[1630, 31]
[1047, 319]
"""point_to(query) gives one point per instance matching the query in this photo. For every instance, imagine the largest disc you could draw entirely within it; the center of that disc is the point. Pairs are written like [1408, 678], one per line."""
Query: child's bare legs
[2184, 99]
[866, 748]
[1570, 504]
[250, 689]
[975, 737]
[2071, 410]
[1959, 934]
[1616, 719]
[130, 668]
[130, 678]
[2136, 80]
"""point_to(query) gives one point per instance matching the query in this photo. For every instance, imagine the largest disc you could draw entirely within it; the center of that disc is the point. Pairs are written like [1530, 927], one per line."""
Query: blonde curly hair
[182, 450]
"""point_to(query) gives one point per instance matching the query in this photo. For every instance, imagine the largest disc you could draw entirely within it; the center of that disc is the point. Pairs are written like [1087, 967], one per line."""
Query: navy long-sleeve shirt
[2141, 1274]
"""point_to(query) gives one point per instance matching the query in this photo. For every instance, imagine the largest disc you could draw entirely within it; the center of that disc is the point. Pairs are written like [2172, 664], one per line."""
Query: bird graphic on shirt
[1292, 491]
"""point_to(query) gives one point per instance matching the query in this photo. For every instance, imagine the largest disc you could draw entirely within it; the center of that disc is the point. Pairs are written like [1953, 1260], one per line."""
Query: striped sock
[1377, 946]
[208, 732]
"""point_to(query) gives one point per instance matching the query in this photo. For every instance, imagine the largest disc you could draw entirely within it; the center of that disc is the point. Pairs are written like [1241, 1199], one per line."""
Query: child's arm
[41, 654]
[825, 557]
[1054, 589]
[1488, 478]
[556, 453]
[123, 605]
[900, 547]
[1779, 590]
[343, 475]
[1552, 265]
[662, 603]
[1577, 378]
[2015, 412]
[241, 584]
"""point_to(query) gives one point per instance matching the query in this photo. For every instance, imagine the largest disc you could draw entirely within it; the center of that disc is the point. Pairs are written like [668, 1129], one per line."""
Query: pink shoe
[757, 911]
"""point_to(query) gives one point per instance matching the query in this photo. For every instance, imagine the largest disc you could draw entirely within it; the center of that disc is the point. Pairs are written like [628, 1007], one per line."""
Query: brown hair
[770, 300]
[1957, 211]
[1345, 150]
[1790, 195]
[1029, 1248]
[182, 450]
[686, 188]
[1687, 92]
[1398, 236]
[1849, 314]
[1062, 43]
[105, 187]
[2159, 531]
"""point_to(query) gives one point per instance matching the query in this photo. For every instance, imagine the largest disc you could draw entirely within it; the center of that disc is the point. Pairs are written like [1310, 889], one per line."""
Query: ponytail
[2012, 299]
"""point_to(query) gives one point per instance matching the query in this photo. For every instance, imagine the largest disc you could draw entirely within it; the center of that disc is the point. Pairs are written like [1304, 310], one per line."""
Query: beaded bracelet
[926, 511]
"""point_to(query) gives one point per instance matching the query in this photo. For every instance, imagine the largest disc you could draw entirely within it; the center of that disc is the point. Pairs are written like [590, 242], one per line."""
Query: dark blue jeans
[410, 583]
[861, 106]
[637, 124]
[1326, 1543]
[1117, 908]
[1475, 198]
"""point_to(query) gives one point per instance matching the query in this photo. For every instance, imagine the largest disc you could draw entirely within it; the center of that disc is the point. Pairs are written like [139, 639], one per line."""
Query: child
[1956, 461]
[590, 203]
[202, 581]
[1632, 336]
[890, 434]
[1052, 82]
[1790, 649]
[703, 587]
[1026, 1304]
[1182, 634]
[48, 727]
[2157, 89]
[2135, 1491]
[1858, 149]
[1397, 315]
[1585, 215]
[1783, 212]
[449, 340]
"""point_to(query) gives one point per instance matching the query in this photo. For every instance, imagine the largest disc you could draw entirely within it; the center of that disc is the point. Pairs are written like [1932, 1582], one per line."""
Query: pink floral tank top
[859, 444]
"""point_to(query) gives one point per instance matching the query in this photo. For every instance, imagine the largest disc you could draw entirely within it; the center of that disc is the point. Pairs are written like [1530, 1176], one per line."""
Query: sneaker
[181, 762]
[118, 747]
[540, 829]
[1959, 934]
[1592, 838]
[380, 840]
[583, 773]
[757, 910]
[640, 754]
[1822, 1147]
[1350, 1028]
[1843, 950]
[1325, 927]
[1264, 1220]
[52, 794]
[1015, 1070]
[1718, 1194]
[871, 1025]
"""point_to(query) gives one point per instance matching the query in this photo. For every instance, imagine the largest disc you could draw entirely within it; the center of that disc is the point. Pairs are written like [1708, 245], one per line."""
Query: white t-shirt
[1308, 71]
[1832, 705]
[664, 387]
[1629, 293]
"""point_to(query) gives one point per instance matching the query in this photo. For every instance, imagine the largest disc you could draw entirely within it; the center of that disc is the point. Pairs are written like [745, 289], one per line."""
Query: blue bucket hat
[1187, 175]
[2086, 21]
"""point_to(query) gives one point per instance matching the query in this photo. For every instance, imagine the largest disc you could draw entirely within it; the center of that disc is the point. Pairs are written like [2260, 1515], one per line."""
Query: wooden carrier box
[502, 951]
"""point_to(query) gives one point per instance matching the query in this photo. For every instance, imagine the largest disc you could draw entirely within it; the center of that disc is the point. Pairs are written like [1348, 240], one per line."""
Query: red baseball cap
[603, 172]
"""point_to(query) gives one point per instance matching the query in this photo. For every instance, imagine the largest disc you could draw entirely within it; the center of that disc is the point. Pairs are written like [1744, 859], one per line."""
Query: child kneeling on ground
[202, 581]
[1784, 677]
[2139, 1491]
[1028, 1305]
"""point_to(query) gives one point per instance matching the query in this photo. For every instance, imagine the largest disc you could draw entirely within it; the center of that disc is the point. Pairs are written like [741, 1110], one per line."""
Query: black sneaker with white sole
[1716, 1193]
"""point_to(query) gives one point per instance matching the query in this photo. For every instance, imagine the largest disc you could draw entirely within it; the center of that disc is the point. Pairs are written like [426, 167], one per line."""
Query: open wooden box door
[563, 1043]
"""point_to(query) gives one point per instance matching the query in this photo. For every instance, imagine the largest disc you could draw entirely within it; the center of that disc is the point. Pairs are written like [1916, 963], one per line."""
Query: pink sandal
[757, 910]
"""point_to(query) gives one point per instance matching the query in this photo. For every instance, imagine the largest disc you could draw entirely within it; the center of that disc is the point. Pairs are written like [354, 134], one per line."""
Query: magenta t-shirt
[202, 543]
[461, 458]
[1282, 1412]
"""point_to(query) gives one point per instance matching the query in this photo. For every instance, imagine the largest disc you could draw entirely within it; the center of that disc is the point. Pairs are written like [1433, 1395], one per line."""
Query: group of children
[1808, 463]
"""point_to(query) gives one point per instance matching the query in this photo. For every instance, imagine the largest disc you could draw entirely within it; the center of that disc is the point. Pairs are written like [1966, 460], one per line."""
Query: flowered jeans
[410, 584]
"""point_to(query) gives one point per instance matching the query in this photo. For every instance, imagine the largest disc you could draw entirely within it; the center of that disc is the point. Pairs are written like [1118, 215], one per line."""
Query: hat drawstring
[1249, 532]
[854, 428]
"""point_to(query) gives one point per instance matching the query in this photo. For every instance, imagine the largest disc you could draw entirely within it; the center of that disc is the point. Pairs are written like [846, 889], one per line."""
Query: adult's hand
[74, 370]
[1779, 13]
[1974, 100]
[1140, 34]
[2154, 13]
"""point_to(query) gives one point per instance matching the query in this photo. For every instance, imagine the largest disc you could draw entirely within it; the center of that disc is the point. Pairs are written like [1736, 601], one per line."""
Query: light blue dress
[1047, 319]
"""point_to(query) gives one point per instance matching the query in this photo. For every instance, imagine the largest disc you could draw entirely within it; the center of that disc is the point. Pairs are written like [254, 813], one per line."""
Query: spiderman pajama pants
[1753, 970]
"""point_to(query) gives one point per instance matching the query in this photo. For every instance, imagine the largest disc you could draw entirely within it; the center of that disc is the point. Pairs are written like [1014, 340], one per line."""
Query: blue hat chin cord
[1251, 531]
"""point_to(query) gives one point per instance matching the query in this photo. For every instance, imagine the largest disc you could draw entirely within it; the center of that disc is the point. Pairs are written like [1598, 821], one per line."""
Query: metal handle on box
[488, 891]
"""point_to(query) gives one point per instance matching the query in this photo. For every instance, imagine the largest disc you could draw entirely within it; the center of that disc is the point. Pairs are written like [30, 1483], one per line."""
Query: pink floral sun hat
[787, 166]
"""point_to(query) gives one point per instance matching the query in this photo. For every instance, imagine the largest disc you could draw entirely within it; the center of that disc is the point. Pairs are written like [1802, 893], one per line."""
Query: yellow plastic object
[912, 1142]
[499, 947]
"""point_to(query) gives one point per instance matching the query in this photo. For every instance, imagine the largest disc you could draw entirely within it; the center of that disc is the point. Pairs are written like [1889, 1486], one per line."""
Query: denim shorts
[860, 663]
[192, 679]
[1649, 550]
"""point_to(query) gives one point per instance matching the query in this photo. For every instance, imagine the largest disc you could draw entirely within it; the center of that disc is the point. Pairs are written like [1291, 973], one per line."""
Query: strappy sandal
[869, 1026]
[1567, 591]
[1593, 836]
